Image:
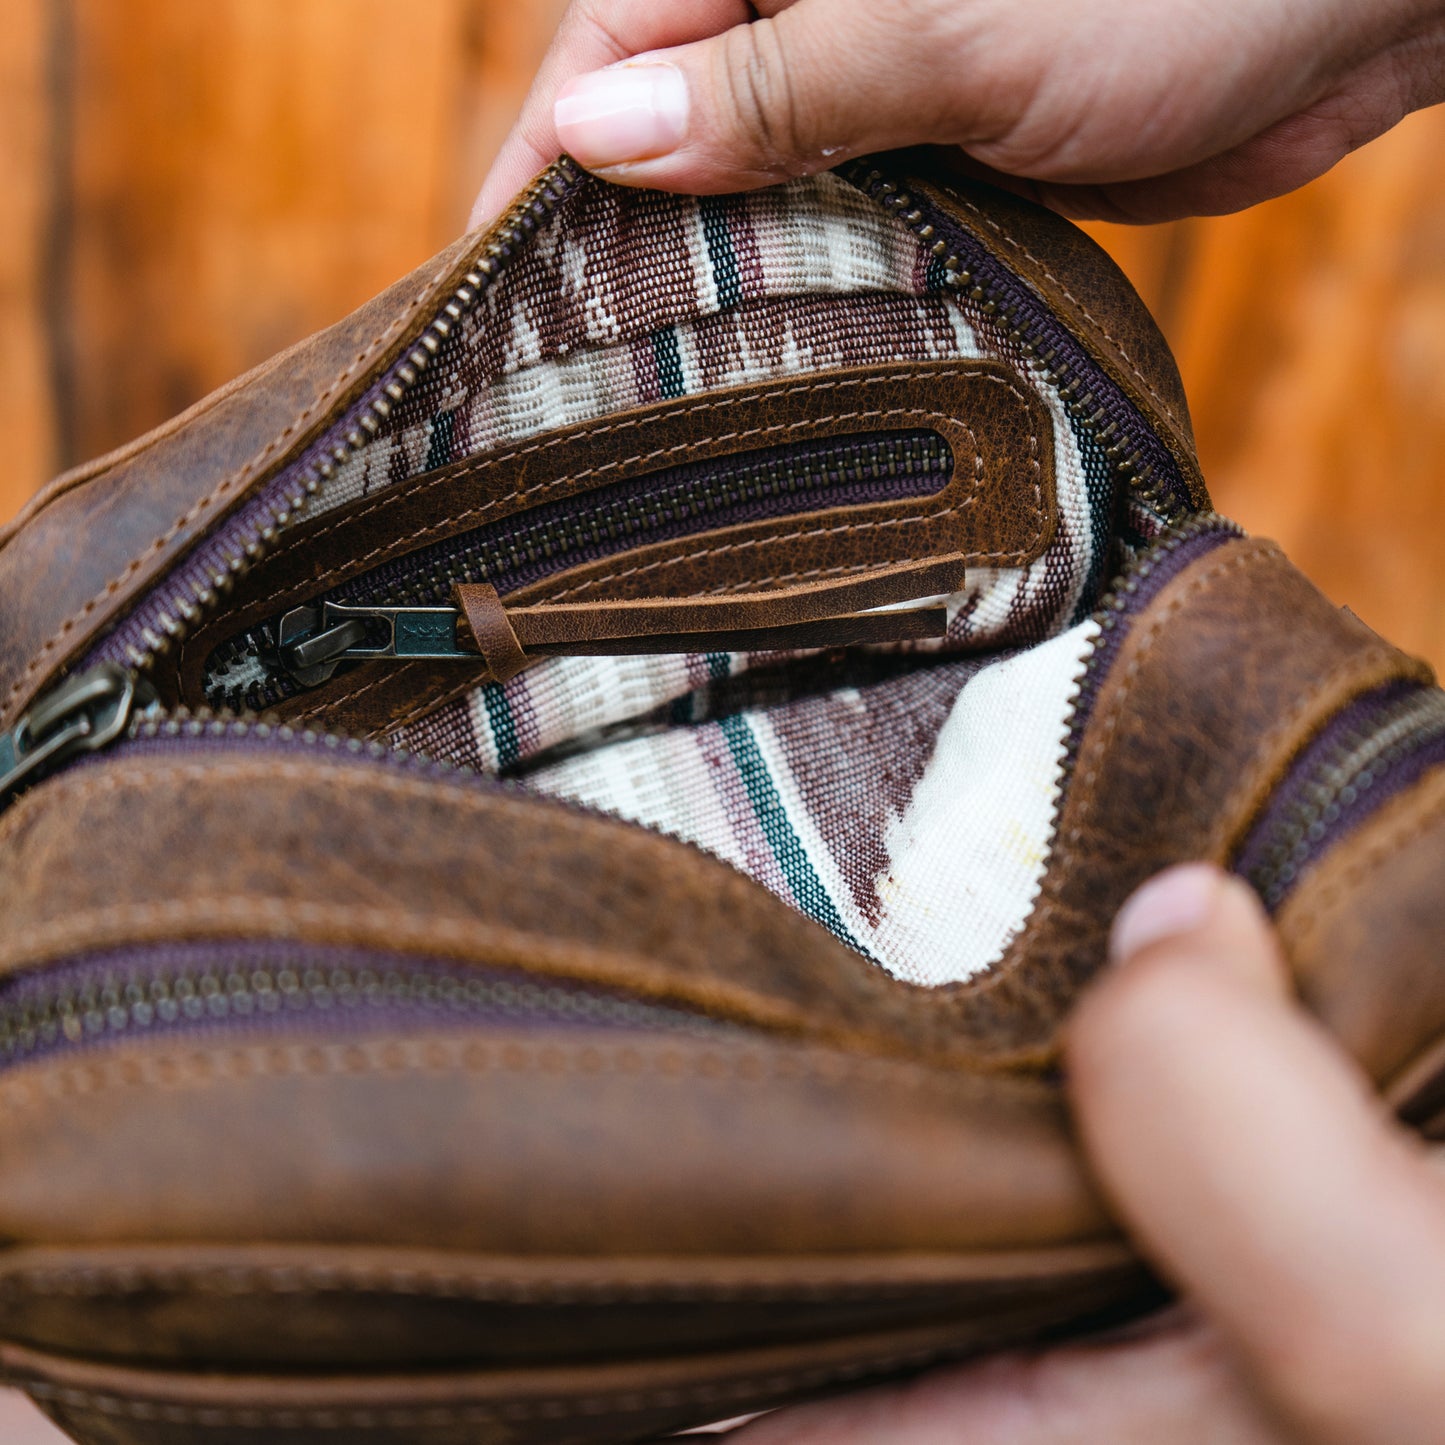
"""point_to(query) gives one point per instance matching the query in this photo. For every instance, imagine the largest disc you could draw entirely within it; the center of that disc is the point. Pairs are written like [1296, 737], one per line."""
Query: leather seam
[210, 1068]
[119, 1281]
[388, 496]
[630, 1401]
[132, 774]
[1084, 311]
[431, 697]
[236, 479]
[1364, 668]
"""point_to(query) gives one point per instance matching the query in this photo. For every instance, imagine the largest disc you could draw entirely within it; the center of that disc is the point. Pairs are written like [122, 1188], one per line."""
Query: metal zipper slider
[82, 715]
[313, 641]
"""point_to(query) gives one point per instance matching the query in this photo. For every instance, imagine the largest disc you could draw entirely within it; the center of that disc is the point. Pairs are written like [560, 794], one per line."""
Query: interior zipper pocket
[406, 608]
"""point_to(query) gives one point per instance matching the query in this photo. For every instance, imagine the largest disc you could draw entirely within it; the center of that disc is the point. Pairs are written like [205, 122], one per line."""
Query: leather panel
[98, 543]
[116, 854]
[774, 1148]
[331, 1307]
[1222, 679]
[999, 509]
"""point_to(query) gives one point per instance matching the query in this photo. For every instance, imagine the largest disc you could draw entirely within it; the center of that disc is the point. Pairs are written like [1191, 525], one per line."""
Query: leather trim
[1000, 509]
[632, 1400]
[1097, 302]
[1221, 681]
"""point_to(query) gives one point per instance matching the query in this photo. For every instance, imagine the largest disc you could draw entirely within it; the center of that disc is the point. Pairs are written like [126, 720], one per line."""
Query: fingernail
[628, 112]
[1177, 902]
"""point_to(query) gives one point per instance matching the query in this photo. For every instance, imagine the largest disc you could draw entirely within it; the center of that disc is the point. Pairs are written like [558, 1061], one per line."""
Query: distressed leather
[94, 543]
[1222, 679]
[998, 509]
[1363, 927]
[784, 1171]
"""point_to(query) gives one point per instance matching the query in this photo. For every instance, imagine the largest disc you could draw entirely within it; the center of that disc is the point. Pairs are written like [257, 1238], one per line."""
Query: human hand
[1258, 1172]
[1121, 109]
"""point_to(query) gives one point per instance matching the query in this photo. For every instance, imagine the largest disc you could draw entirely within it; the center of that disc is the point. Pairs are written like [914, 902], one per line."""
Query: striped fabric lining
[908, 814]
[910, 819]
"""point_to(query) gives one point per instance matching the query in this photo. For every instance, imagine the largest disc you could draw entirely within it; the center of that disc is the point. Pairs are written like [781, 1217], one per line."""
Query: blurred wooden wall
[190, 186]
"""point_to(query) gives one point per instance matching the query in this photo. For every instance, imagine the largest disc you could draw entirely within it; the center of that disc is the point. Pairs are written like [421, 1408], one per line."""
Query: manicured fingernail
[628, 112]
[1177, 902]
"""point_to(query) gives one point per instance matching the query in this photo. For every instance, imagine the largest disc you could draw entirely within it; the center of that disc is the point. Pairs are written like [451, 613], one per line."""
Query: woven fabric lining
[890, 811]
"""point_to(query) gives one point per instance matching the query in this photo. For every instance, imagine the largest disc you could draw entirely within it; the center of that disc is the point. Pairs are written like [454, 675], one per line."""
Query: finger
[1286, 155]
[1177, 1385]
[786, 95]
[1256, 1168]
[593, 34]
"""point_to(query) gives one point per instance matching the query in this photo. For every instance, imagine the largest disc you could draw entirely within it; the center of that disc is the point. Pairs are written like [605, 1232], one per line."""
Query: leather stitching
[389, 496]
[432, 696]
[1084, 311]
[628, 1401]
[208, 1068]
[114, 1281]
[1408, 822]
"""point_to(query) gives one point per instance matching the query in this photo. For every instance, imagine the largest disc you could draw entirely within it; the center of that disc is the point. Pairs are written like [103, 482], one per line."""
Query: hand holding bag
[552, 829]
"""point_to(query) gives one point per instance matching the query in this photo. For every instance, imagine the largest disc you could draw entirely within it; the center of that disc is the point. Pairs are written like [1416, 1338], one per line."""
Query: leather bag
[551, 830]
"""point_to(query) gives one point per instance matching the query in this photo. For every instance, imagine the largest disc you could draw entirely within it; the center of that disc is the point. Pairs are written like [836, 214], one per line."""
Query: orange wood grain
[1311, 335]
[27, 415]
[191, 187]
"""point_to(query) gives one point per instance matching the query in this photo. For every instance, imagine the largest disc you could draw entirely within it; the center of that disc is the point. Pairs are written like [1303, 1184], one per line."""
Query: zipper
[230, 987]
[1367, 753]
[396, 610]
[1138, 458]
[85, 714]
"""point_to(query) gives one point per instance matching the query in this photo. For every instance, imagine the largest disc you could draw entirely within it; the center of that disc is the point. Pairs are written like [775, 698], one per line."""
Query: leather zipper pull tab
[83, 715]
[492, 633]
[893, 603]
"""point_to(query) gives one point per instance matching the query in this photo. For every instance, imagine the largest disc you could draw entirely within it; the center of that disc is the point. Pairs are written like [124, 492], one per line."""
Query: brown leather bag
[550, 831]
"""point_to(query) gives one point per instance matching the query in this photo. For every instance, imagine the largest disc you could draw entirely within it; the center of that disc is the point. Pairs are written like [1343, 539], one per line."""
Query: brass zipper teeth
[1142, 476]
[852, 461]
[1360, 760]
[244, 991]
[171, 626]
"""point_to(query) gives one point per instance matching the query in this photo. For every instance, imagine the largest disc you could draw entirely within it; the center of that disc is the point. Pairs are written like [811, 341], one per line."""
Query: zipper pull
[312, 641]
[895, 603]
[84, 714]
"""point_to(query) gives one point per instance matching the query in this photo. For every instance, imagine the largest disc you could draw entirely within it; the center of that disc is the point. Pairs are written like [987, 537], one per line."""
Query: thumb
[1256, 1168]
[786, 95]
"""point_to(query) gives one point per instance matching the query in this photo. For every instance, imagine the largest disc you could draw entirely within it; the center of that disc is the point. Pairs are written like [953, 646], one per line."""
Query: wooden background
[188, 187]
